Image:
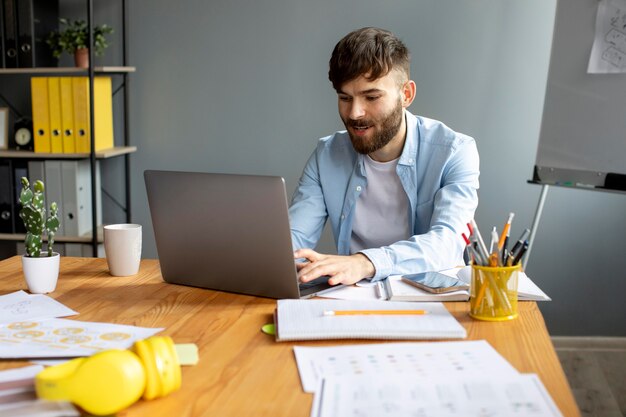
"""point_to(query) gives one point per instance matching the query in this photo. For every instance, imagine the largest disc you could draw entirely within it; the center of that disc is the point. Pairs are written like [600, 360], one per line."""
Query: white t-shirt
[382, 210]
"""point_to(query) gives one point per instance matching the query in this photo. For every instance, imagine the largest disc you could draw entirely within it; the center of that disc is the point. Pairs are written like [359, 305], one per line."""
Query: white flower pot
[41, 273]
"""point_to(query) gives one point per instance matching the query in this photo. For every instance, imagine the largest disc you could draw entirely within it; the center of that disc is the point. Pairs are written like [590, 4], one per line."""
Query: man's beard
[389, 127]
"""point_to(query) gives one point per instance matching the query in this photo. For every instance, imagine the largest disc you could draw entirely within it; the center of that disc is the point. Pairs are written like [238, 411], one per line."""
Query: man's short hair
[370, 52]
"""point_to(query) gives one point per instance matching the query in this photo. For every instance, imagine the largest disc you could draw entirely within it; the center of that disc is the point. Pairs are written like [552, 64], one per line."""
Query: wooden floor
[596, 370]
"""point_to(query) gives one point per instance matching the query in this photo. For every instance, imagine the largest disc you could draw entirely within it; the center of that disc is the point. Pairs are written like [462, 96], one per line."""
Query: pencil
[374, 312]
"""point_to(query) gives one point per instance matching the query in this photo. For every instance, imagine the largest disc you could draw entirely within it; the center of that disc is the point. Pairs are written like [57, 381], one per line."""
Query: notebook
[306, 320]
[394, 289]
[225, 232]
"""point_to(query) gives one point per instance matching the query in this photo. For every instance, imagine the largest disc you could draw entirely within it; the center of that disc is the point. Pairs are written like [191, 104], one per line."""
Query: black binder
[2, 34]
[6, 197]
[35, 20]
[10, 34]
[20, 169]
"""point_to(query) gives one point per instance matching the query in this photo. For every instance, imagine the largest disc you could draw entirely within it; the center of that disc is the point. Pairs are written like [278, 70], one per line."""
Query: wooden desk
[242, 371]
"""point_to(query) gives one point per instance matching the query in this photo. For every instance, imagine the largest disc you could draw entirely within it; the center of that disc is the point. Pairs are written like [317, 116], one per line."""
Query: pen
[504, 237]
[482, 249]
[494, 240]
[374, 312]
[520, 253]
[476, 251]
[520, 242]
[478, 260]
[380, 290]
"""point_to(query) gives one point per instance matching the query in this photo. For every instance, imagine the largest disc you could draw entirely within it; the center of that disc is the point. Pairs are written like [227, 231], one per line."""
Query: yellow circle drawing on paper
[74, 340]
[28, 334]
[22, 325]
[115, 336]
[66, 331]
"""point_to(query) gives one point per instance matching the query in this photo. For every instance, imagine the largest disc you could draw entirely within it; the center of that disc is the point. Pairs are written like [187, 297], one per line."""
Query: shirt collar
[410, 144]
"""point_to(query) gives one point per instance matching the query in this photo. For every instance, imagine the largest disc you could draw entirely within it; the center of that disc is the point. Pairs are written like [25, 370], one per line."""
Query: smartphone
[435, 282]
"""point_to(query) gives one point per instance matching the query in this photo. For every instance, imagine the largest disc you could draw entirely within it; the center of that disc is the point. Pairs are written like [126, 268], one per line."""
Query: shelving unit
[102, 154]
[117, 151]
[67, 70]
[87, 238]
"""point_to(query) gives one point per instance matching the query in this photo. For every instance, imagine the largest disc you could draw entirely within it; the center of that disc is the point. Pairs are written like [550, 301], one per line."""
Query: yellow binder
[67, 115]
[80, 87]
[54, 106]
[103, 113]
[41, 115]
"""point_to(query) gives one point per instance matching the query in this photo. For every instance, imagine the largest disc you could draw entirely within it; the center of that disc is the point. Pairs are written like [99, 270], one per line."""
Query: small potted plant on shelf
[41, 268]
[74, 39]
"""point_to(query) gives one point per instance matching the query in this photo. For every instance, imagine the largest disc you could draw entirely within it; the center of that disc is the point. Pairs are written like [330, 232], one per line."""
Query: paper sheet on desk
[521, 395]
[423, 360]
[61, 338]
[20, 306]
[17, 396]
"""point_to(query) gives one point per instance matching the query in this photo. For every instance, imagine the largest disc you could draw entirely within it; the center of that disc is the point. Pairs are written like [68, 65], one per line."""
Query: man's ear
[408, 93]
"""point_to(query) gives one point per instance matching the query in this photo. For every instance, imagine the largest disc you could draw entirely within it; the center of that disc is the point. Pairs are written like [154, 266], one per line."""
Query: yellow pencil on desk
[375, 312]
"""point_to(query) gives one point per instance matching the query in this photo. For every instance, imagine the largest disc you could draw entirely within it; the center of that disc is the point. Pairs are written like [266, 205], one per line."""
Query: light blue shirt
[439, 171]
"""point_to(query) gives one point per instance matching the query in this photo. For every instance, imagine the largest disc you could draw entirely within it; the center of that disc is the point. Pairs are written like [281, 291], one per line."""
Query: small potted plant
[74, 39]
[41, 268]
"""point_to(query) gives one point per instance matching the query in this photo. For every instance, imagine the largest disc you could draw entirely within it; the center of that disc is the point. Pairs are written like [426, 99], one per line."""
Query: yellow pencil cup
[493, 293]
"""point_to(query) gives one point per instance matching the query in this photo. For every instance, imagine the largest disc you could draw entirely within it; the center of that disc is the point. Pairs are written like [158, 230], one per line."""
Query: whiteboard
[583, 130]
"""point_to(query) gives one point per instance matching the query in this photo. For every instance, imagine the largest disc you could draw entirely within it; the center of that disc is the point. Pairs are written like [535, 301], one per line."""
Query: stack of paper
[306, 320]
[419, 379]
[17, 396]
[29, 329]
[394, 289]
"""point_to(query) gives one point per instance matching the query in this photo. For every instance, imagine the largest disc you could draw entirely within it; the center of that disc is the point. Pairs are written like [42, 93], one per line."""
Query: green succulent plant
[33, 214]
[75, 36]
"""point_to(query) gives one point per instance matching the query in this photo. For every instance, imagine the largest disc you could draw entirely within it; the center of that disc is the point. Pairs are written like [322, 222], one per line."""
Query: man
[398, 189]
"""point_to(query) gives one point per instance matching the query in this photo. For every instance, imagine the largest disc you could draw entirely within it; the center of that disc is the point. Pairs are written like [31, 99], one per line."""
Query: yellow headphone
[110, 381]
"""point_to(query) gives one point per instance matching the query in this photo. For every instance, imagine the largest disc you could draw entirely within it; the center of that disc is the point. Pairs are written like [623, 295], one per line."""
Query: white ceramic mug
[122, 245]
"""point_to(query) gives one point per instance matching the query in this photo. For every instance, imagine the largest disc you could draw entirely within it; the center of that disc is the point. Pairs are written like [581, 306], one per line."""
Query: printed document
[520, 395]
[419, 360]
[62, 338]
[20, 306]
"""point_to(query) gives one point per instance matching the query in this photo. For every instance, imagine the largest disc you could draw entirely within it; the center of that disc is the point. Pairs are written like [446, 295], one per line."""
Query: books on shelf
[61, 121]
[309, 320]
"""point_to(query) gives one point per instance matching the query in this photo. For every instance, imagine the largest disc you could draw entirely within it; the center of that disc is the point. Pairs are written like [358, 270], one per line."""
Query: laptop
[226, 232]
